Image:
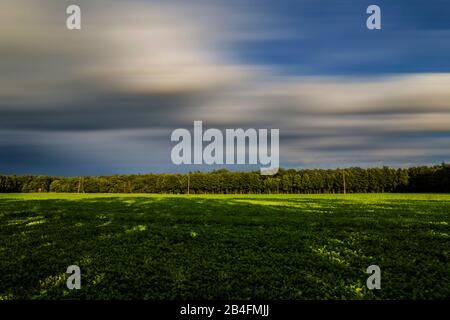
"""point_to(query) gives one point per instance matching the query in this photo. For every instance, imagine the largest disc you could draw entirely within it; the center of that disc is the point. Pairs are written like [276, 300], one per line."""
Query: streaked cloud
[105, 99]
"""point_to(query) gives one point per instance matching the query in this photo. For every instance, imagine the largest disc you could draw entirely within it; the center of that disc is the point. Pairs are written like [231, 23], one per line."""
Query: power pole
[79, 185]
[343, 177]
[189, 181]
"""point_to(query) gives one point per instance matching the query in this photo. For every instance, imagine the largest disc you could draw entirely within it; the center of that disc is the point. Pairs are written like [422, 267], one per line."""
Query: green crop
[224, 246]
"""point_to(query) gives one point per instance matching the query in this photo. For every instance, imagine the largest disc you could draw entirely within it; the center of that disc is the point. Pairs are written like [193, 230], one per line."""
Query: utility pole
[189, 180]
[79, 185]
[343, 177]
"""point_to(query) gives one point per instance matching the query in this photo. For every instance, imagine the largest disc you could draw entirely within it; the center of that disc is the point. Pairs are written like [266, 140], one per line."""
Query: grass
[224, 247]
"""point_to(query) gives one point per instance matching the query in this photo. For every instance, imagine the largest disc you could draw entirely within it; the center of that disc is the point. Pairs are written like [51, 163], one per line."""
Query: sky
[104, 99]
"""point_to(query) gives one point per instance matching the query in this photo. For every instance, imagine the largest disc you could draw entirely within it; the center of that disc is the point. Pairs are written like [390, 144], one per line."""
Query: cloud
[132, 48]
[105, 99]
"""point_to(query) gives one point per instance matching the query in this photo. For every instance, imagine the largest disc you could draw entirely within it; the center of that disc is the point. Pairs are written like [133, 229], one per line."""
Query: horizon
[227, 170]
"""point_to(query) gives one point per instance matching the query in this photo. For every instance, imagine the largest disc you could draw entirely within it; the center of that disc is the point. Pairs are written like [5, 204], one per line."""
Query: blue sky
[332, 38]
[105, 99]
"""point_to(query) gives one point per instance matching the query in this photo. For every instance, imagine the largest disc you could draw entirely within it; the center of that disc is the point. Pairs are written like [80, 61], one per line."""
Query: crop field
[137, 246]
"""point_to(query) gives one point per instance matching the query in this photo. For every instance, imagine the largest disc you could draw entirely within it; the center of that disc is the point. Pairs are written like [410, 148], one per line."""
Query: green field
[224, 247]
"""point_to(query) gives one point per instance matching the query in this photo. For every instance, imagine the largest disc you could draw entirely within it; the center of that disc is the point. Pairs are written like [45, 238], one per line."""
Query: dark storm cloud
[103, 113]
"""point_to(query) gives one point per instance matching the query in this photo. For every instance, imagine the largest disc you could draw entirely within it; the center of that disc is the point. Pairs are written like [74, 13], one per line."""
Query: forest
[290, 181]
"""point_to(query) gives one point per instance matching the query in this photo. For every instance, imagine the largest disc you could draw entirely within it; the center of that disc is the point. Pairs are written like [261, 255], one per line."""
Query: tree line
[309, 181]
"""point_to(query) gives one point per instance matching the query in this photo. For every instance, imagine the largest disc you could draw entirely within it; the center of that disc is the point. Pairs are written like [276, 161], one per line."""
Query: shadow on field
[174, 247]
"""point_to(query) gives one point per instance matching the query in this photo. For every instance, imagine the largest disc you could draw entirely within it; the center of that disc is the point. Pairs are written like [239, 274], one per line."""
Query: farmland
[141, 246]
